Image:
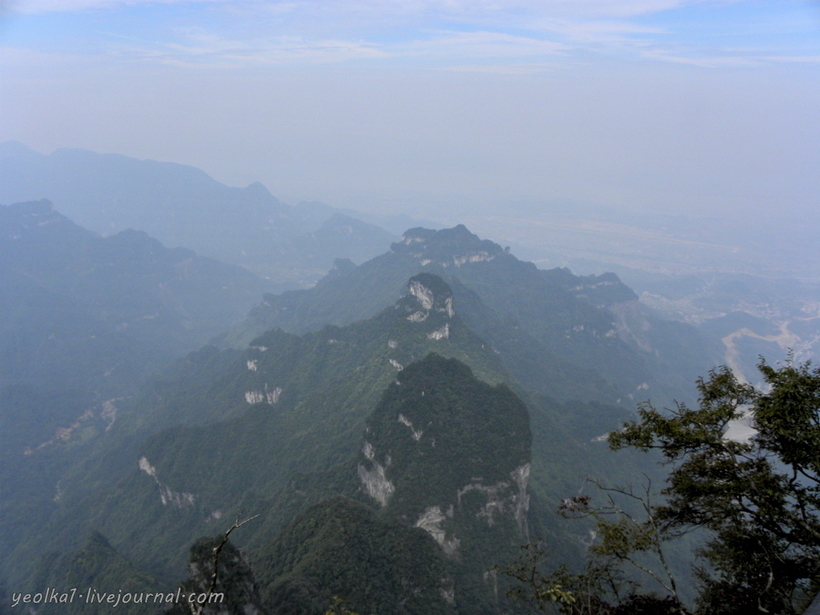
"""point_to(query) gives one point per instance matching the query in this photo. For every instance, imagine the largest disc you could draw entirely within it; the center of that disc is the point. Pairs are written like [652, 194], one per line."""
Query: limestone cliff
[450, 454]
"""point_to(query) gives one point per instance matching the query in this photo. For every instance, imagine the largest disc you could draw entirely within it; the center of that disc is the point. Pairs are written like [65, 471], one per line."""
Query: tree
[338, 606]
[627, 546]
[221, 579]
[759, 498]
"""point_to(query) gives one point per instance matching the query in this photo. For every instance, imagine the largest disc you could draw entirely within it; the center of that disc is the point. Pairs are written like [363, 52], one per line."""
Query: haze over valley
[409, 307]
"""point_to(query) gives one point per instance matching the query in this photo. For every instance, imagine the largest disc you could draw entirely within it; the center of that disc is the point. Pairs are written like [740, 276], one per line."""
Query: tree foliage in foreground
[758, 499]
[628, 545]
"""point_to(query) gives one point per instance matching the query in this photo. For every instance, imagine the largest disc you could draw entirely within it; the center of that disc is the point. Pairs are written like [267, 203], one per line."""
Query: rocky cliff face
[553, 330]
[444, 463]
[449, 454]
[448, 248]
[235, 591]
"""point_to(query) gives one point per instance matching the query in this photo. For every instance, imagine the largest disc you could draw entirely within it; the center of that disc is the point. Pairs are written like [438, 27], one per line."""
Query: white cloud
[481, 45]
[33, 7]
[322, 31]
[206, 47]
[378, 9]
[502, 68]
[792, 59]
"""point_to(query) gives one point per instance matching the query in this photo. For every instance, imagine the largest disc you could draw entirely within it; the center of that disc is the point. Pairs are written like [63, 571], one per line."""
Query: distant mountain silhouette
[182, 206]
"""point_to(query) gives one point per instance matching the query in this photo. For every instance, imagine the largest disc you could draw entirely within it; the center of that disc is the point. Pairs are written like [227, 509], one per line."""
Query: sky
[428, 106]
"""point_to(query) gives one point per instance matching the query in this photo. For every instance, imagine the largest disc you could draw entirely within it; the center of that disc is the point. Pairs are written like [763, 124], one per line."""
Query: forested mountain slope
[77, 305]
[291, 420]
[83, 321]
[286, 407]
[567, 336]
[459, 455]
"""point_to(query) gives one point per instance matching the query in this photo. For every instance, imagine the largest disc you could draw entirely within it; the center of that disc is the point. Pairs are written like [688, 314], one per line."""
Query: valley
[397, 427]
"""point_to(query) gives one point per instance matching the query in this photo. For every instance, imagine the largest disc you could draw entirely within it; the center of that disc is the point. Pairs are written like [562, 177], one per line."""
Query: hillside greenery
[93, 570]
[754, 500]
[341, 548]
[566, 336]
[476, 399]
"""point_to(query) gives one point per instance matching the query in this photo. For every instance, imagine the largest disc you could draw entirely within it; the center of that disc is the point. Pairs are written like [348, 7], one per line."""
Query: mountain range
[397, 430]
[563, 335]
[182, 206]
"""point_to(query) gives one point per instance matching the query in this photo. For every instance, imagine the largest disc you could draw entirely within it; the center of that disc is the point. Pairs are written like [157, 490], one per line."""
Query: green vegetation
[340, 548]
[234, 591]
[756, 497]
[275, 457]
[395, 462]
[456, 452]
[297, 439]
[461, 431]
[558, 334]
[92, 570]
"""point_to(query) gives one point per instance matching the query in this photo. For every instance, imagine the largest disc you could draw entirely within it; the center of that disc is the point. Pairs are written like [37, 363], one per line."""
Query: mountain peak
[451, 247]
[438, 419]
[12, 149]
[258, 191]
[43, 206]
[417, 235]
[432, 293]
[36, 217]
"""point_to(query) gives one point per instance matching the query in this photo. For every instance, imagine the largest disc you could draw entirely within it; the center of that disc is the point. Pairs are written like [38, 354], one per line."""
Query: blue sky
[388, 105]
[448, 34]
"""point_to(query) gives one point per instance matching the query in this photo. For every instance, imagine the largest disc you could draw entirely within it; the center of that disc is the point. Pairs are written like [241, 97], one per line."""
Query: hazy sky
[380, 104]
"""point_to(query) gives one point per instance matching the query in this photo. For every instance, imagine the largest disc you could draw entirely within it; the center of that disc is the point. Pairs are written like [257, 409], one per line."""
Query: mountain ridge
[567, 336]
[183, 206]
